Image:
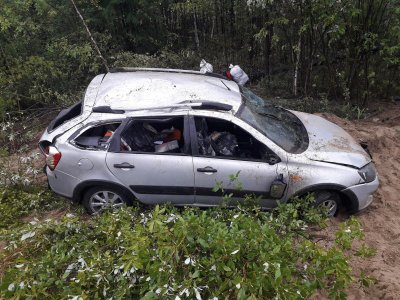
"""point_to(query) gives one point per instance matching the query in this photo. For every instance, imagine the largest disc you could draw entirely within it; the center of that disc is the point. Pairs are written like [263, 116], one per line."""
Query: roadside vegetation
[166, 252]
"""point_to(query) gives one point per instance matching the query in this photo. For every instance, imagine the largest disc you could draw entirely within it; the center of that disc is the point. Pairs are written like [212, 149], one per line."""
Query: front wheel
[328, 200]
[97, 199]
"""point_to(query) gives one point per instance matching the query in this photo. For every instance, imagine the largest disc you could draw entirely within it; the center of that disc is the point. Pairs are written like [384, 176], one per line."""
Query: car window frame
[195, 150]
[115, 144]
[93, 124]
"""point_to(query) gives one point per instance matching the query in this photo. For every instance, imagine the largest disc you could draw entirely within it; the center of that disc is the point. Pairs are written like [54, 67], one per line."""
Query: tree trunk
[296, 67]
[196, 33]
[268, 46]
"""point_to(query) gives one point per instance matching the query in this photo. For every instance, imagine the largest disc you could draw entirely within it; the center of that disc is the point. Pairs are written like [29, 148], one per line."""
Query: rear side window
[66, 115]
[97, 137]
[161, 135]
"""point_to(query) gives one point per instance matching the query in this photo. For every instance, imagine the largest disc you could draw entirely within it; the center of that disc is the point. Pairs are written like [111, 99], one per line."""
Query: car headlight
[368, 172]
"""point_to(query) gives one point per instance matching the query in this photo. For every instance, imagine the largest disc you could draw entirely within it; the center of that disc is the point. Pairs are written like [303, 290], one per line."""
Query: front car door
[152, 157]
[250, 168]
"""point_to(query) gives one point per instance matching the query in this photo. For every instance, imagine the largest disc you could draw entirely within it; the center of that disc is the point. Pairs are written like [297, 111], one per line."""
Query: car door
[154, 177]
[241, 174]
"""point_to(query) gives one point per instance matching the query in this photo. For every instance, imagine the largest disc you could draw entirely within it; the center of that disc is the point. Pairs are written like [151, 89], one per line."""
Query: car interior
[215, 137]
[97, 137]
[218, 137]
[161, 135]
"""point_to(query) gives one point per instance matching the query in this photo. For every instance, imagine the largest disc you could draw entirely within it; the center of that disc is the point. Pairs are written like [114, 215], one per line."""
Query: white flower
[213, 268]
[347, 230]
[187, 261]
[19, 266]
[266, 266]
[238, 286]
[158, 291]
[11, 287]
[177, 298]
[234, 252]
[148, 278]
[27, 235]
[119, 234]
[235, 216]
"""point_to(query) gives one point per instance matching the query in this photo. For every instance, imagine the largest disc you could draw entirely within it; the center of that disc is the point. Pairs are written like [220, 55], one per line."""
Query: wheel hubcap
[105, 200]
[330, 206]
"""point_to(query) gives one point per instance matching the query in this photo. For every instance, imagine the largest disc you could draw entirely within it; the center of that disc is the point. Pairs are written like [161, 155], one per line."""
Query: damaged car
[160, 135]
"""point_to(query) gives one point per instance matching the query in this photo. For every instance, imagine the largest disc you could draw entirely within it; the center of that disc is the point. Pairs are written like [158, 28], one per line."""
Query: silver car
[159, 135]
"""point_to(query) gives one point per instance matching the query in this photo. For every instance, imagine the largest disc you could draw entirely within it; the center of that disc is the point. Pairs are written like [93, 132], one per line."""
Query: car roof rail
[211, 105]
[131, 69]
[107, 110]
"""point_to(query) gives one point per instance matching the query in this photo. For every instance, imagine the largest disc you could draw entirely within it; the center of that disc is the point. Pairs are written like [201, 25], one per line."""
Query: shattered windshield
[278, 124]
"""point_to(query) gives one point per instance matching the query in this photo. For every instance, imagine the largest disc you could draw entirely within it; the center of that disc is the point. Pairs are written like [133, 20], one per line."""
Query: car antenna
[225, 85]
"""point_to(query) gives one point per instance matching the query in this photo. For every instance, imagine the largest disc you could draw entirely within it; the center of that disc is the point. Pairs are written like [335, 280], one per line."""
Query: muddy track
[381, 221]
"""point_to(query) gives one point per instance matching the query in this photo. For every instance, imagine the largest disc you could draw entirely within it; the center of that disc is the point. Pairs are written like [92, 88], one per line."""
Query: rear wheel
[97, 199]
[329, 200]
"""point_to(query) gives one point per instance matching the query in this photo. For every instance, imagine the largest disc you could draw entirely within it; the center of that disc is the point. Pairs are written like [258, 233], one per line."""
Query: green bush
[18, 202]
[171, 253]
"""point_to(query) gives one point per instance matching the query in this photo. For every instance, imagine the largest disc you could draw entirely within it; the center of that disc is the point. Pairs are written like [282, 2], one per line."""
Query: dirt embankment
[381, 221]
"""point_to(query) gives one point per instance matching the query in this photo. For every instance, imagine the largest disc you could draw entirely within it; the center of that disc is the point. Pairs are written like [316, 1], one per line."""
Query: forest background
[345, 51]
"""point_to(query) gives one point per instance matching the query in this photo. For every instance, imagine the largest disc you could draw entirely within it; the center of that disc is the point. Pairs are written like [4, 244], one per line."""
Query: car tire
[100, 198]
[330, 200]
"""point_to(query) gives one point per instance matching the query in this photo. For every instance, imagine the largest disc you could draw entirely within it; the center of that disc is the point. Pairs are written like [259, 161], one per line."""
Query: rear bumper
[363, 193]
[61, 183]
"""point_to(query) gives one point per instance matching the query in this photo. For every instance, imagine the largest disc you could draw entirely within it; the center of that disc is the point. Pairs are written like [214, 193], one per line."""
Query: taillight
[53, 156]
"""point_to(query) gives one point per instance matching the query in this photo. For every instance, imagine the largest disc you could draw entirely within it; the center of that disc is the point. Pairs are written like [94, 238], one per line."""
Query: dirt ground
[381, 221]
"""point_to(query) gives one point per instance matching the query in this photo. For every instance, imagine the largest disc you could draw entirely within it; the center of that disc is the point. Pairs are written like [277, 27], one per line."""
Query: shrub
[172, 253]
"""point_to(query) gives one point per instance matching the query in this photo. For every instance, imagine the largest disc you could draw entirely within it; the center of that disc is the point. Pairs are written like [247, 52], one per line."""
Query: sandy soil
[381, 221]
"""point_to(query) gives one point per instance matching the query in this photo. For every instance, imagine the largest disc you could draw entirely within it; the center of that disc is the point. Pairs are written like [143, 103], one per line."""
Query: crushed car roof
[150, 88]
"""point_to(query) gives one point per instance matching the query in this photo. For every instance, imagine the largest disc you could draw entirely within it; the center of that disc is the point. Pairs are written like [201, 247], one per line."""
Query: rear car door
[235, 162]
[152, 157]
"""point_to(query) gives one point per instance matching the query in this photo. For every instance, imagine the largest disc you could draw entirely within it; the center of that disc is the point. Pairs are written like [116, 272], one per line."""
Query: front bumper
[363, 193]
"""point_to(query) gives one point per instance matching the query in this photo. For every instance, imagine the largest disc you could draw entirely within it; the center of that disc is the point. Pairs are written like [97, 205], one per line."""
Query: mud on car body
[159, 135]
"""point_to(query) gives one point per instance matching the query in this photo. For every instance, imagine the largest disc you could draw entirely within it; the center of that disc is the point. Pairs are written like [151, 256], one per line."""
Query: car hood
[330, 143]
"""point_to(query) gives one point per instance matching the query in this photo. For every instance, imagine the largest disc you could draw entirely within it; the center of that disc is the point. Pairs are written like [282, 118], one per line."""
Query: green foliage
[321, 104]
[172, 253]
[339, 48]
[16, 203]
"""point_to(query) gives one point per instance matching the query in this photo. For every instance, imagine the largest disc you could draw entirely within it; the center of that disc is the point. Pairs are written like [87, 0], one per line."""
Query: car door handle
[124, 165]
[207, 170]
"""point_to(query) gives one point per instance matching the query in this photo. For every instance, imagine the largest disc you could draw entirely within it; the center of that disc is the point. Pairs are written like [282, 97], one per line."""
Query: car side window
[221, 138]
[158, 135]
[97, 137]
